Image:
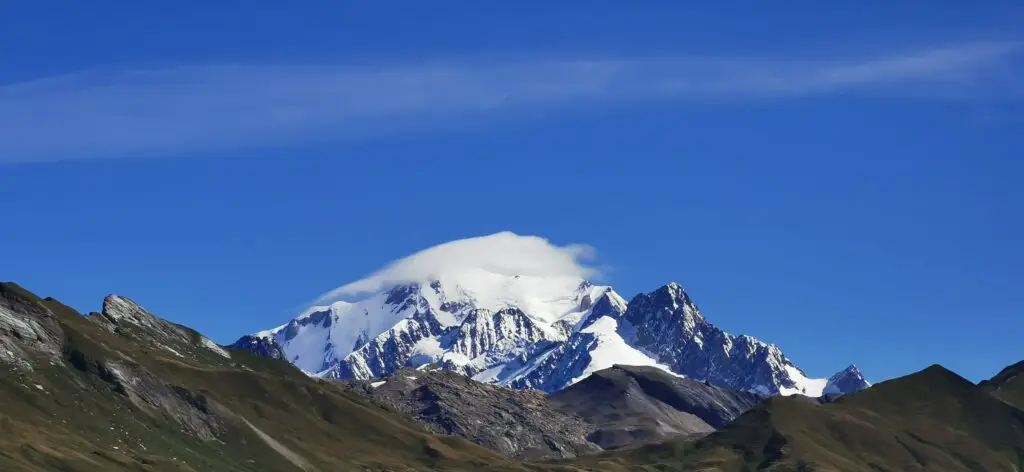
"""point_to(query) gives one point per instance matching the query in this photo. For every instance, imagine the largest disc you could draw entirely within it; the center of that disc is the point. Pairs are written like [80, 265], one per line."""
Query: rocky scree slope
[517, 423]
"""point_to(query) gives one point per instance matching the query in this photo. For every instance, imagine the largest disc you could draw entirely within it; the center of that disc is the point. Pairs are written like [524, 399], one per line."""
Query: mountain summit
[531, 331]
[521, 312]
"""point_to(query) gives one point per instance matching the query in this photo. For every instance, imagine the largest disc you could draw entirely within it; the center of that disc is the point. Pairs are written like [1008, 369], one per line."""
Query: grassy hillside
[151, 397]
[932, 420]
[123, 390]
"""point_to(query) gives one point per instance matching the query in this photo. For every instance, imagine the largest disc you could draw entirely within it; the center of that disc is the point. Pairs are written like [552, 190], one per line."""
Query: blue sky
[841, 181]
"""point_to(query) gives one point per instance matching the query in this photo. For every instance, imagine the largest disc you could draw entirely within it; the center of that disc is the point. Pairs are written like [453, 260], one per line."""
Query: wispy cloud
[189, 109]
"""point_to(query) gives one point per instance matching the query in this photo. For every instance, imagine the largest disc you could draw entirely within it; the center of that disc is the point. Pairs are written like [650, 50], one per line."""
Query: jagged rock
[847, 380]
[668, 323]
[28, 329]
[262, 347]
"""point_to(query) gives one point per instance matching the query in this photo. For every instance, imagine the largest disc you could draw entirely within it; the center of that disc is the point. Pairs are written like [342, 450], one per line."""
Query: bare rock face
[124, 317]
[262, 347]
[516, 423]
[120, 312]
[195, 413]
[28, 330]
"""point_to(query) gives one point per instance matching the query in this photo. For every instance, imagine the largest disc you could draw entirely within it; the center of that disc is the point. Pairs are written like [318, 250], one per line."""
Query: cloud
[194, 109]
[502, 253]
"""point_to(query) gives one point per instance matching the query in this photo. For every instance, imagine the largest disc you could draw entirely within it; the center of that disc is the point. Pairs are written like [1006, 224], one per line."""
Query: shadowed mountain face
[125, 390]
[1008, 385]
[932, 420]
[631, 405]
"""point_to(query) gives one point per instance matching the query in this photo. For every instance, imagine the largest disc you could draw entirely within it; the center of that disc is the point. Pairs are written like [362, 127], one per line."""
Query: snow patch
[425, 352]
[611, 349]
[804, 385]
[209, 344]
[378, 383]
[171, 350]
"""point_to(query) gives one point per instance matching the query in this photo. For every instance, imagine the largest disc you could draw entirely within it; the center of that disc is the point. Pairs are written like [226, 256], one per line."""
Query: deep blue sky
[844, 182]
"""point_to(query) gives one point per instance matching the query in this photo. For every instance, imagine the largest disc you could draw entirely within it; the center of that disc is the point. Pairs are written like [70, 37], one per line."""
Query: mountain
[125, 390]
[846, 380]
[528, 331]
[630, 405]
[521, 424]
[932, 420]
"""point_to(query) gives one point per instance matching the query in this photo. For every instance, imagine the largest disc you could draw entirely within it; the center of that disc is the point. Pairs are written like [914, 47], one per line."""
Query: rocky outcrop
[29, 332]
[666, 322]
[263, 347]
[846, 381]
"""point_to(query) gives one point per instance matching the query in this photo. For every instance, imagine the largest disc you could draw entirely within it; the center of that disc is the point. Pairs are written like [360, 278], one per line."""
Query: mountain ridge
[536, 332]
[125, 390]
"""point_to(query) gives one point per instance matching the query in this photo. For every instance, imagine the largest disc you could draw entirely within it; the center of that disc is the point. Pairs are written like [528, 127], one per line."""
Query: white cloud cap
[504, 253]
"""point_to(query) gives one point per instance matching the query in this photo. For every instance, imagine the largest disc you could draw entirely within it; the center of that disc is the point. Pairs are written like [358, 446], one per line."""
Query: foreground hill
[932, 420]
[630, 405]
[125, 390]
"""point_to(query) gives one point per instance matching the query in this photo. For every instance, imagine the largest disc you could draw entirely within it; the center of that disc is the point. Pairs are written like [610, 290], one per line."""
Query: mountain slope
[125, 390]
[932, 420]
[516, 423]
[1008, 385]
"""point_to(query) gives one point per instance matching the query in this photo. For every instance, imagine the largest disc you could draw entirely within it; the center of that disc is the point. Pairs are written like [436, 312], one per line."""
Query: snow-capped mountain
[544, 332]
[847, 380]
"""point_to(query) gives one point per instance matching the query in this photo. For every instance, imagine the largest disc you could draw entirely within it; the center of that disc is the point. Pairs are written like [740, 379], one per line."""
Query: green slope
[85, 394]
[126, 391]
[932, 420]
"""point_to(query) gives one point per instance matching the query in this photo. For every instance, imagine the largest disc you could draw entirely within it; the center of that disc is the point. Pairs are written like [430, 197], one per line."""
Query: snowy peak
[665, 311]
[848, 380]
[528, 331]
[668, 324]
